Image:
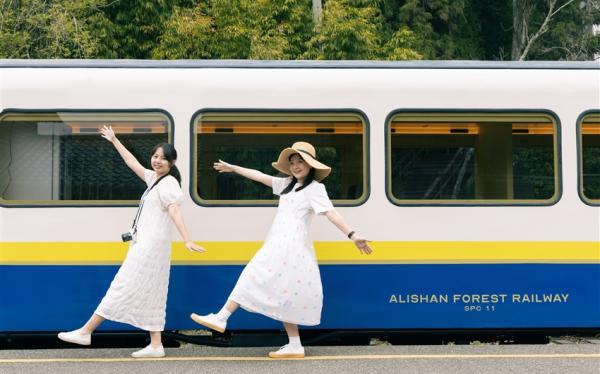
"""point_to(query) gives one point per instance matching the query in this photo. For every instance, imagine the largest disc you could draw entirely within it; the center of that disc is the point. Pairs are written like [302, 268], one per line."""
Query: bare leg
[155, 340]
[231, 306]
[291, 329]
[92, 324]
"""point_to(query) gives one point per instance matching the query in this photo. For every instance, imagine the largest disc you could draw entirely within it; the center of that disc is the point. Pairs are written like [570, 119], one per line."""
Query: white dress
[282, 281]
[138, 293]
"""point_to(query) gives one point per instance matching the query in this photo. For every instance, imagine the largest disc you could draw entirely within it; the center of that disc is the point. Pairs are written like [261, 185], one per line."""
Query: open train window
[253, 139]
[589, 158]
[472, 158]
[58, 157]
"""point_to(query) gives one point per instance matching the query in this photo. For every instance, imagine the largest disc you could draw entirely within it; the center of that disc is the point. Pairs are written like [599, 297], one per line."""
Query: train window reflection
[254, 140]
[589, 158]
[59, 158]
[472, 158]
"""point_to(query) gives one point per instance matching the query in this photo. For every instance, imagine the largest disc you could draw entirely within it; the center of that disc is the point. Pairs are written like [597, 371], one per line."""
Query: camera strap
[139, 211]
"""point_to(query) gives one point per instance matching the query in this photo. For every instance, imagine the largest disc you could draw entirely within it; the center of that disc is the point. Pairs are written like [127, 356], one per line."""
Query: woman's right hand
[223, 167]
[193, 247]
[107, 133]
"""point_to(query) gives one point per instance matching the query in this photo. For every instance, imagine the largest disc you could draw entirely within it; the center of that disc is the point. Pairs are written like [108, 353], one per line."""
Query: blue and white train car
[477, 182]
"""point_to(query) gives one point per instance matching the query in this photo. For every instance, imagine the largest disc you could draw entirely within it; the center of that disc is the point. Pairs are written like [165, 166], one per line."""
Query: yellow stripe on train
[236, 253]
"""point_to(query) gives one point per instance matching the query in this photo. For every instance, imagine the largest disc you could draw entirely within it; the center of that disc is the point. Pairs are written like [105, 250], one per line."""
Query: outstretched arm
[175, 214]
[108, 134]
[361, 243]
[255, 175]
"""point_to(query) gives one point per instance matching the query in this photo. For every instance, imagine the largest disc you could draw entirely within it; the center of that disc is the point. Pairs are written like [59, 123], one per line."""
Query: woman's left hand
[192, 247]
[362, 244]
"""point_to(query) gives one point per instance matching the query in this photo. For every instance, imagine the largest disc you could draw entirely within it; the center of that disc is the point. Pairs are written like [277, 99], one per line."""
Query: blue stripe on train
[52, 298]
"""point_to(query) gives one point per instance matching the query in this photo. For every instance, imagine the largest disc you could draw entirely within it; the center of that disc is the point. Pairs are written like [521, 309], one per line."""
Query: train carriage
[478, 183]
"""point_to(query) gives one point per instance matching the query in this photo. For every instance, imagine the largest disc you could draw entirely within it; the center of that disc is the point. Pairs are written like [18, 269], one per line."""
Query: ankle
[223, 314]
[295, 341]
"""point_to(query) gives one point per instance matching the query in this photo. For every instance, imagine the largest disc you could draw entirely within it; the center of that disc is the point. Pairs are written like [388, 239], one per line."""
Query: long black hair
[171, 156]
[308, 180]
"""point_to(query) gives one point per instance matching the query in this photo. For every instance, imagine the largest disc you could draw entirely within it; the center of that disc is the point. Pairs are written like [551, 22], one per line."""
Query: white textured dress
[282, 281]
[138, 293]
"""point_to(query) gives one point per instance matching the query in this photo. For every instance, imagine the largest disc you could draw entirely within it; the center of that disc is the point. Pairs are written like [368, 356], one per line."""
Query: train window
[466, 158]
[254, 140]
[58, 158]
[589, 158]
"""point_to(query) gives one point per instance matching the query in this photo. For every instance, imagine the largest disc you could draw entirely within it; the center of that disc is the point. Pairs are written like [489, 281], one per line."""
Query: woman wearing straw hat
[282, 280]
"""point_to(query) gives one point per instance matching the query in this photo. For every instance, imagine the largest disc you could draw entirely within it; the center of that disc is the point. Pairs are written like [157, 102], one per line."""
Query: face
[298, 167]
[159, 162]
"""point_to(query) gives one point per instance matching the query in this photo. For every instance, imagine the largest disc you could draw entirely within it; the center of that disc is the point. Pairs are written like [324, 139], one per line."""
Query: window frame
[580, 120]
[277, 111]
[473, 113]
[82, 203]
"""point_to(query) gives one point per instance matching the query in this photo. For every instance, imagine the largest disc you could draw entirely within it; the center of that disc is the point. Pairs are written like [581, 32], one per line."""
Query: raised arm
[361, 243]
[175, 214]
[255, 175]
[108, 134]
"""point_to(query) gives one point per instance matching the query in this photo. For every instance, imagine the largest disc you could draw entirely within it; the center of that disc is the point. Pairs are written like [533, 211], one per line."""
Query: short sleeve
[149, 176]
[279, 184]
[169, 192]
[319, 201]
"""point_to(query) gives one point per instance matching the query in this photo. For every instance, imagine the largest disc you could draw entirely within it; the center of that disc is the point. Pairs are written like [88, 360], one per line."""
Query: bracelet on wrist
[350, 234]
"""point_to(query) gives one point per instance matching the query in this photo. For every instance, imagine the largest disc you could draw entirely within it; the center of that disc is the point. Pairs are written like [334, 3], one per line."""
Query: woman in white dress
[138, 293]
[282, 280]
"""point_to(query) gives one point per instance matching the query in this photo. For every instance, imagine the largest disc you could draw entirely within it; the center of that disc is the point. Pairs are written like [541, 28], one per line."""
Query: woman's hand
[107, 133]
[362, 244]
[192, 247]
[223, 167]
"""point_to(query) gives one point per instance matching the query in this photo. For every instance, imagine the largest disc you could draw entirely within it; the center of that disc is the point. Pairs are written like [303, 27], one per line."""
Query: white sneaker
[211, 321]
[288, 351]
[76, 336]
[149, 351]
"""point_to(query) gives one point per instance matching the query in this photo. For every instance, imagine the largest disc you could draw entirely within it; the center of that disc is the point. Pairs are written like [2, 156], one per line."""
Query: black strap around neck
[139, 211]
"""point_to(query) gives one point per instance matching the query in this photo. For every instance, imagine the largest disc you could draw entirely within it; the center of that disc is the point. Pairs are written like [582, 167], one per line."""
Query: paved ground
[581, 358]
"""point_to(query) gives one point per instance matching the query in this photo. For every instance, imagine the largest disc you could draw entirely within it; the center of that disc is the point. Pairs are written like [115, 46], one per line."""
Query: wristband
[350, 234]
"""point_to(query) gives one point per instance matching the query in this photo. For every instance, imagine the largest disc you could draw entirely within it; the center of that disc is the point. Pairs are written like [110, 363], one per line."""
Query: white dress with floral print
[282, 281]
[138, 293]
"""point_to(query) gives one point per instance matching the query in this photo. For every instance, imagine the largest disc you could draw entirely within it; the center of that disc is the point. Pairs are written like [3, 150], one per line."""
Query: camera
[128, 236]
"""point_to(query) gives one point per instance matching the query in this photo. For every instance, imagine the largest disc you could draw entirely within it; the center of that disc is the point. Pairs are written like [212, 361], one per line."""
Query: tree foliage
[347, 33]
[357, 30]
[569, 34]
[134, 26]
[286, 29]
[50, 29]
[444, 29]
[237, 29]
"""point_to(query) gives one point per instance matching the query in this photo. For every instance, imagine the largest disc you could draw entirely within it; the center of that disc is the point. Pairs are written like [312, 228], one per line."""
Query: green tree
[402, 46]
[560, 30]
[188, 33]
[357, 30]
[496, 28]
[347, 32]
[300, 29]
[237, 29]
[50, 29]
[444, 29]
[135, 26]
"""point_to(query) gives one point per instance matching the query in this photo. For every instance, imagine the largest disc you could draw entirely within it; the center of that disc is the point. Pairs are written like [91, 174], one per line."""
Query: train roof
[256, 64]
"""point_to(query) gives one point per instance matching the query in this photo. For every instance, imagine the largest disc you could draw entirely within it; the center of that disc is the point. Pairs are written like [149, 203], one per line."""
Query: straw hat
[307, 152]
